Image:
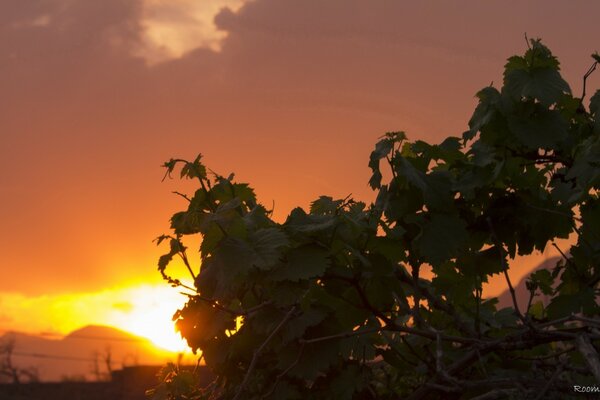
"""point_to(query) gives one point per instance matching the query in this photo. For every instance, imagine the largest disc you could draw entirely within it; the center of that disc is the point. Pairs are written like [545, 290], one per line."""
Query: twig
[442, 388]
[183, 256]
[555, 212]
[368, 305]
[587, 74]
[197, 366]
[479, 358]
[567, 259]
[284, 373]
[438, 352]
[434, 336]
[215, 304]
[590, 354]
[182, 195]
[496, 394]
[254, 309]
[590, 321]
[343, 335]
[553, 355]
[389, 340]
[507, 343]
[438, 303]
[548, 384]
[258, 351]
[397, 328]
[505, 270]
[477, 320]
[527, 41]
[416, 296]
[531, 296]
[416, 354]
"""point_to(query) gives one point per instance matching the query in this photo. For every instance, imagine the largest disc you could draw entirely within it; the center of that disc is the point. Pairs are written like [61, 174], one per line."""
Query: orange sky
[290, 95]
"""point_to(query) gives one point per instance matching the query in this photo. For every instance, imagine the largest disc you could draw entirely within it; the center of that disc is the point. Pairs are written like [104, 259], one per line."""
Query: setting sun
[143, 310]
[149, 313]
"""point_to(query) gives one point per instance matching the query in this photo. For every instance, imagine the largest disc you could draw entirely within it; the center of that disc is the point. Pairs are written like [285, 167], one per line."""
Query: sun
[148, 312]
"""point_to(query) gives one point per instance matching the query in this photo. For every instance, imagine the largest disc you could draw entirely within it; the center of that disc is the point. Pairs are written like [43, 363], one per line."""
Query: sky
[291, 95]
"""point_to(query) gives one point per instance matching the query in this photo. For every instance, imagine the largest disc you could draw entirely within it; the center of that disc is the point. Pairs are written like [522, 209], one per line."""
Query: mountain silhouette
[521, 292]
[84, 353]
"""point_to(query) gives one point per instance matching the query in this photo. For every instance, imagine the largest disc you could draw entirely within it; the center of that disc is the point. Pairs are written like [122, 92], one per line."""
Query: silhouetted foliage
[349, 301]
[9, 372]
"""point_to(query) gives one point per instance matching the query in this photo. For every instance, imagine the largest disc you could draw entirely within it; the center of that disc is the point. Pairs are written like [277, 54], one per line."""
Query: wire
[85, 337]
[52, 356]
[113, 339]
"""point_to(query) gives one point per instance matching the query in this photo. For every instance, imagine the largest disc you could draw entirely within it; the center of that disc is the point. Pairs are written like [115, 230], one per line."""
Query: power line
[52, 357]
[86, 337]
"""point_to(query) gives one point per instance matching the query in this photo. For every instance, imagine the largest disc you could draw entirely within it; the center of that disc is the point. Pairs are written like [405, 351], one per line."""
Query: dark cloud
[292, 103]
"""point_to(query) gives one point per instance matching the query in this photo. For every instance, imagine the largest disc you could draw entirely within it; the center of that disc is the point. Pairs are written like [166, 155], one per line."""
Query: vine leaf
[535, 76]
[539, 128]
[442, 237]
[268, 246]
[303, 263]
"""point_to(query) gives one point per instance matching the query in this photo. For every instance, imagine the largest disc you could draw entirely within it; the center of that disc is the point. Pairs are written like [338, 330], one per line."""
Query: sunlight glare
[150, 316]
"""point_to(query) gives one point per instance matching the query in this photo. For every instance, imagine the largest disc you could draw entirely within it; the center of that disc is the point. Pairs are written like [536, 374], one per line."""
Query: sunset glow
[290, 97]
[143, 310]
[150, 316]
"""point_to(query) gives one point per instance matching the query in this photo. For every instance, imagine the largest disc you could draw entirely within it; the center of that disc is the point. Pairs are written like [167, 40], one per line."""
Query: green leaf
[223, 272]
[483, 263]
[244, 192]
[537, 310]
[164, 261]
[285, 390]
[537, 127]
[543, 280]
[586, 168]
[391, 248]
[325, 205]
[382, 149]
[210, 239]
[347, 382]
[535, 76]
[268, 246]
[442, 237]
[316, 359]
[412, 174]
[194, 169]
[302, 263]
[299, 221]
[595, 110]
[506, 317]
[564, 305]
[528, 165]
[484, 112]
[438, 194]
[297, 326]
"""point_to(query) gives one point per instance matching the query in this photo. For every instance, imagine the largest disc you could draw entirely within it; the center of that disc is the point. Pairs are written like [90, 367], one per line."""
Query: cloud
[176, 27]
[63, 313]
[5, 319]
[293, 102]
[123, 306]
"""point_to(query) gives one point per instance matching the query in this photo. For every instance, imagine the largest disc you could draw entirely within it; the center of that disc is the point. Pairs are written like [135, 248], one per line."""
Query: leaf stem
[258, 351]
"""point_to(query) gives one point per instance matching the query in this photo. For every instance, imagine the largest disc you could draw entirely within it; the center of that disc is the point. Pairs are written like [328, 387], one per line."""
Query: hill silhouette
[83, 353]
[521, 292]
